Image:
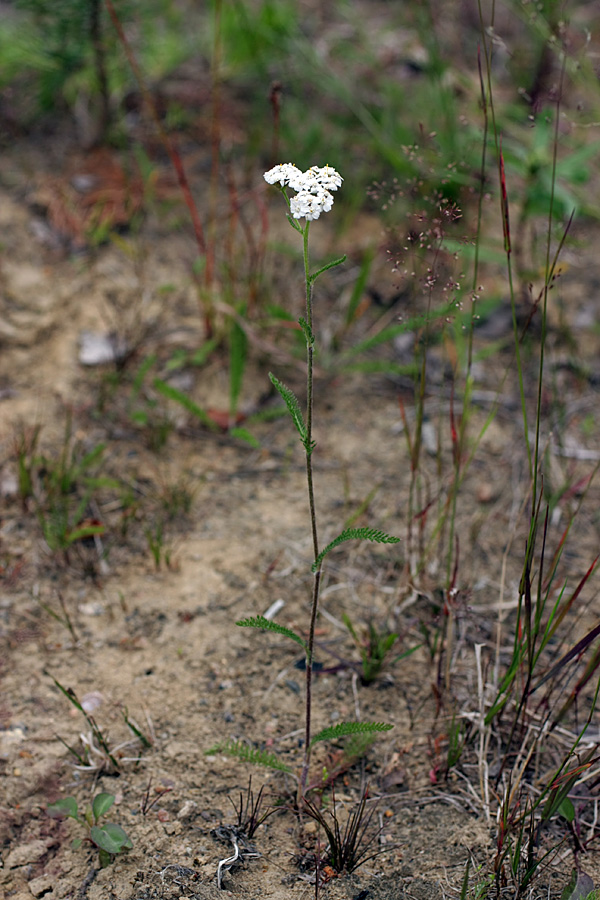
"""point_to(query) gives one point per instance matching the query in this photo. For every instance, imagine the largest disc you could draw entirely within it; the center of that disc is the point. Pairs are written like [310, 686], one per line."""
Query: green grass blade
[391, 331]
[140, 376]
[362, 507]
[135, 730]
[360, 284]
[243, 434]
[173, 393]
[204, 351]
[238, 352]
[348, 623]
[88, 459]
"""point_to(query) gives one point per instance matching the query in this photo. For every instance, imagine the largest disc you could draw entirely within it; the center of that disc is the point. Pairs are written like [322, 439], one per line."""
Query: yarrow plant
[313, 196]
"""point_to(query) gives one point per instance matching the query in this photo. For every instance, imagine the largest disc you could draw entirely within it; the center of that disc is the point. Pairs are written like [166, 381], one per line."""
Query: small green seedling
[373, 648]
[110, 839]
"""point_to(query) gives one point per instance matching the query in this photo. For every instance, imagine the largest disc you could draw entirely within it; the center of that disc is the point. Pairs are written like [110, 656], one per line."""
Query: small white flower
[284, 173]
[326, 200]
[309, 205]
[308, 182]
[296, 179]
[301, 206]
[325, 177]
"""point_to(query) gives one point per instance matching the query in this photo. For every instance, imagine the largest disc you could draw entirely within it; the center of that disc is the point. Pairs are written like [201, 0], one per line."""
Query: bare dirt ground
[163, 644]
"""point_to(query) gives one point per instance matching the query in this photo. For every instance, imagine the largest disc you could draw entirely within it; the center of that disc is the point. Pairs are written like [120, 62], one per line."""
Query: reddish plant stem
[172, 151]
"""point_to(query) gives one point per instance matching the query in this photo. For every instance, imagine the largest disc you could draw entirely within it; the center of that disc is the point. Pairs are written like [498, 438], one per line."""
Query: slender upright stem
[313, 519]
[309, 396]
[487, 47]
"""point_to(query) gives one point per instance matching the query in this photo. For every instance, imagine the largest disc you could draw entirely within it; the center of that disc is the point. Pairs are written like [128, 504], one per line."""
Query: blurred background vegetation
[379, 89]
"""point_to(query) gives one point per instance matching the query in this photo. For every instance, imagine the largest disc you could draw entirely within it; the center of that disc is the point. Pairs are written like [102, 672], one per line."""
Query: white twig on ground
[355, 694]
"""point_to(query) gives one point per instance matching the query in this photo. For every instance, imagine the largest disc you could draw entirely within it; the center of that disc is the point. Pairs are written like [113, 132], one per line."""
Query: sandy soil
[162, 643]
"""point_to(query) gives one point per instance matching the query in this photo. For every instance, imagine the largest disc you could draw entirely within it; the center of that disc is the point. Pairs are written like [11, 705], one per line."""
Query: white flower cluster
[313, 188]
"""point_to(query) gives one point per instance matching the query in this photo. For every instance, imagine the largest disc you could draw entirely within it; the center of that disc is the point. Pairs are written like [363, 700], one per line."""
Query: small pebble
[187, 810]
[40, 886]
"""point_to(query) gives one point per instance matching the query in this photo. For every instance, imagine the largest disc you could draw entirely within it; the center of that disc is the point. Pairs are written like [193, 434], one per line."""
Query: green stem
[313, 520]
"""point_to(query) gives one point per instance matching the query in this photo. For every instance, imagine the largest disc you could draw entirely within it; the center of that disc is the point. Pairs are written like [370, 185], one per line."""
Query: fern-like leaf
[310, 338]
[329, 265]
[261, 622]
[343, 728]
[350, 534]
[291, 401]
[243, 752]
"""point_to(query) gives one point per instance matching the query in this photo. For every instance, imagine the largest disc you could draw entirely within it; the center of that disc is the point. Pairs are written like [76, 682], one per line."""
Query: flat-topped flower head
[284, 173]
[313, 188]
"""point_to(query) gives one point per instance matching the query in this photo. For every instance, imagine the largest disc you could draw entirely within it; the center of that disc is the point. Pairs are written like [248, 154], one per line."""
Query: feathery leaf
[243, 752]
[363, 534]
[310, 338]
[343, 728]
[329, 265]
[268, 625]
[291, 401]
